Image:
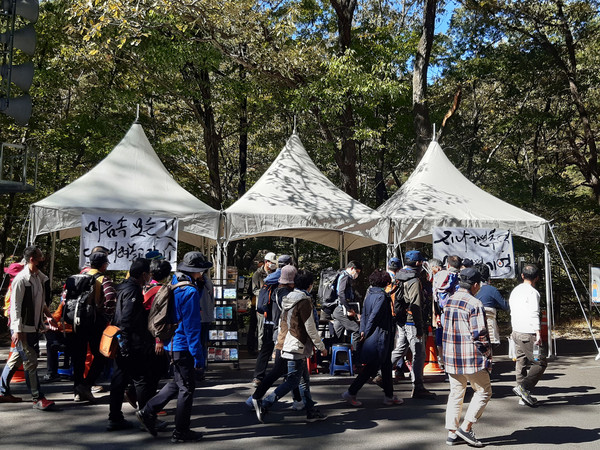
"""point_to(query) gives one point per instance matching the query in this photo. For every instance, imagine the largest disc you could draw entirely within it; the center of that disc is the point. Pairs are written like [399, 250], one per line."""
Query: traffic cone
[19, 376]
[431, 362]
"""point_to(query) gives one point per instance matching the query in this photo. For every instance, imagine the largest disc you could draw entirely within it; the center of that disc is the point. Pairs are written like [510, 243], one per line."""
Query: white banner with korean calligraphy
[594, 283]
[128, 237]
[489, 246]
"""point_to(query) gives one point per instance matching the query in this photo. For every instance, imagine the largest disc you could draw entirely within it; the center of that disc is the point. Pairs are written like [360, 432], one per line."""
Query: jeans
[279, 369]
[524, 346]
[28, 356]
[297, 376]
[407, 338]
[480, 382]
[182, 387]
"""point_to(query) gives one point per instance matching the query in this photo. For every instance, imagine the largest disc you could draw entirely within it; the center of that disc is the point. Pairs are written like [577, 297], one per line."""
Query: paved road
[568, 415]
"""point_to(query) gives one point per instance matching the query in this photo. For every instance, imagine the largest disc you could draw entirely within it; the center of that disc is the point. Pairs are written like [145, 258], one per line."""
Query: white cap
[271, 257]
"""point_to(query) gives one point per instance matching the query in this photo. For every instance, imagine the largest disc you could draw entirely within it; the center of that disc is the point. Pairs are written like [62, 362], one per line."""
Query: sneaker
[256, 382]
[9, 398]
[76, 397]
[162, 412]
[424, 394]
[50, 378]
[43, 404]
[298, 406]
[117, 425]
[96, 389]
[188, 436]
[388, 401]
[378, 380]
[259, 409]
[522, 403]
[315, 416]
[520, 391]
[147, 421]
[453, 439]
[85, 393]
[469, 437]
[351, 399]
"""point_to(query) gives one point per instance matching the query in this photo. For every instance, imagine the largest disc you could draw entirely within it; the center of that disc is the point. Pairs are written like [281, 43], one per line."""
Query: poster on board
[489, 246]
[595, 285]
[128, 237]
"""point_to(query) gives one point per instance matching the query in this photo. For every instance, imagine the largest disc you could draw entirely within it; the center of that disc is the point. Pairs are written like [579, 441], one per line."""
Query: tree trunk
[421, 120]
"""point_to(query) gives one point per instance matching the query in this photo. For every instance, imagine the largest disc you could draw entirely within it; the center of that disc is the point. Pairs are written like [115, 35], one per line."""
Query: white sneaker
[298, 406]
[522, 403]
[351, 399]
[389, 401]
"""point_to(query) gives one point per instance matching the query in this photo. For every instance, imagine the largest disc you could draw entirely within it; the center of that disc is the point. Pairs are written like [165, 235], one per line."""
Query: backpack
[162, 321]
[448, 287]
[399, 305]
[266, 297]
[80, 300]
[327, 292]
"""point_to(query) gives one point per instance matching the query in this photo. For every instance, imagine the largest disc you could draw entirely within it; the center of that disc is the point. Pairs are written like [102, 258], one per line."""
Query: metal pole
[549, 301]
[52, 257]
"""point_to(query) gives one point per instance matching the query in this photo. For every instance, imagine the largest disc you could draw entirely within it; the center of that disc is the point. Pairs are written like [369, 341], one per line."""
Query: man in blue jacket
[186, 352]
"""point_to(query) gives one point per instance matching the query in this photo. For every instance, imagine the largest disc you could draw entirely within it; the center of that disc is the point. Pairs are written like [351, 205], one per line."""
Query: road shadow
[547, 435]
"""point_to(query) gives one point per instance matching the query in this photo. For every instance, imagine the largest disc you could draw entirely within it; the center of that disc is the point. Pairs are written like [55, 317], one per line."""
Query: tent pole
[52, 257]
[575, 291]
[549, 301]
[340, 250]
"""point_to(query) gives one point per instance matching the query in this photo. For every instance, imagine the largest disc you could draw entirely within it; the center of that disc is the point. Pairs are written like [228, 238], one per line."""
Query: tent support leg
[575, 291]
[52, 257]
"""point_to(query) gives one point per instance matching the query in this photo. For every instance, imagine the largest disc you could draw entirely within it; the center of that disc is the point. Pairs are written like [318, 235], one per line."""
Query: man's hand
[324, 352]
[538, 338]
[362, 336]
[351, 313]
[159, 348]
[52, 324]
[18, 337]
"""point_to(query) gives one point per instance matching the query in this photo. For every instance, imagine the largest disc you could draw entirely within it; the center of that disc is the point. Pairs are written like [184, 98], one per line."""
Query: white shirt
[525, 309]
[35, 281]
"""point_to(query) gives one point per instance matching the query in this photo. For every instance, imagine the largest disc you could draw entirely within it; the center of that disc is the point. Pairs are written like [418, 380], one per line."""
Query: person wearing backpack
[344, 315]
[103, 301]
[28, 311]
[258, 279]
[185, 350]
[410, 331]
[134, 361]
[264, 306]
[445, 283]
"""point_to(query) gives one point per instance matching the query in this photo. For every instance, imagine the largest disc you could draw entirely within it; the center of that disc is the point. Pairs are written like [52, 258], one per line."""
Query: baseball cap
[271, 257]
[154, 254]
[284, 260]
[414, 255]
[98, 258]
[394, 263]
[470, 276]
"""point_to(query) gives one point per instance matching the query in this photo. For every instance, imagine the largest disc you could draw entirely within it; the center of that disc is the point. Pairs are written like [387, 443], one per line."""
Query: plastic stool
[65, 372]
[347, 365]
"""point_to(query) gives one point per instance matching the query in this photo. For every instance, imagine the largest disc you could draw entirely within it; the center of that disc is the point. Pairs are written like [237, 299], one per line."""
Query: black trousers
[181, 386]
[262, 360]
[138, 367]
[81, 339]
[279, 369]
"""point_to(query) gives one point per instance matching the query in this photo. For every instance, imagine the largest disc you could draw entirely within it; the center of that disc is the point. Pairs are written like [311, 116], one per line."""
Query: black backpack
[327, 292]
[399, 302]
[80, 300]
[266, 297]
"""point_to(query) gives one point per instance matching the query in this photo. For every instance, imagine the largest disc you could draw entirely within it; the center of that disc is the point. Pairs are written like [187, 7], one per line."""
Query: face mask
[272, 266]
[354, 274]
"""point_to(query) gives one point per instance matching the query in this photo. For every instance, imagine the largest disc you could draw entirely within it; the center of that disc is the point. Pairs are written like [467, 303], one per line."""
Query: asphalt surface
[567, 416]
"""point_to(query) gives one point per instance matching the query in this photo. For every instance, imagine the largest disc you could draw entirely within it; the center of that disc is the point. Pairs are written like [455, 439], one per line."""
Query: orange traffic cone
[19, 376]
[431, 362]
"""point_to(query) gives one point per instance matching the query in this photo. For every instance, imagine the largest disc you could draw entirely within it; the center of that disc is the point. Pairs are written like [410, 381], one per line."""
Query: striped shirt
[466, 341]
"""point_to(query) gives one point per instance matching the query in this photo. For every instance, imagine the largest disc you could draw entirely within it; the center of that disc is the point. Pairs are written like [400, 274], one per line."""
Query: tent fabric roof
[130, 180]
[437, 195]
[293, 198]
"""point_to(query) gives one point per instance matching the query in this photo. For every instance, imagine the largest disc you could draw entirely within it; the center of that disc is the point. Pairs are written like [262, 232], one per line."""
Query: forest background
[511, 85]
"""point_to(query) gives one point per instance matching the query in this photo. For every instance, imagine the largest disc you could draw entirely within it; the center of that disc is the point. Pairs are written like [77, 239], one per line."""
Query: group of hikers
[397, 309]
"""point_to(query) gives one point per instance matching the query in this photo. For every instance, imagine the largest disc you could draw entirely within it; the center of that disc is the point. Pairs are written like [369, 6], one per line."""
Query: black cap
[284, 260]
[467, 262]
[470, 276]
[98, 258]
[194, 262]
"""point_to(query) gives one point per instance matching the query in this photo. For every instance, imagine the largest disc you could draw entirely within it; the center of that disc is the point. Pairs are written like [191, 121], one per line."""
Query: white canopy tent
[130, 180]
[293, 198]
[437, 194]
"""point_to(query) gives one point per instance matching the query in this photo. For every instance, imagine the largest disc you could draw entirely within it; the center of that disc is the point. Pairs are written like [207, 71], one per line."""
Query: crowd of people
[454, 297]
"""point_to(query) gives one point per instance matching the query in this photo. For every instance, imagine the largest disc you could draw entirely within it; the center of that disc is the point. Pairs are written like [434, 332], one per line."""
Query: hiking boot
[9, 398]
[351, 399]
[50, 378]
[469, 437]
[389, 401]
[117, 425]
[85, 393]
[257, 403]
[148, 422]
[43, 404]
[315, 416]
[298, 406]
[188, 436]
[524, 394]
[424, 394]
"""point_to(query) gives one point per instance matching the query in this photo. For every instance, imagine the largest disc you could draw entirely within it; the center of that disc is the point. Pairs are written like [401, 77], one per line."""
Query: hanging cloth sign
[128, 237]
[595, 285]
[489, 246]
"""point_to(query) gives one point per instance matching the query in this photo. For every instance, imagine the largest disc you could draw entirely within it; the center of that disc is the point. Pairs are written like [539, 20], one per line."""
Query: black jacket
[132, 319]
[413, 296]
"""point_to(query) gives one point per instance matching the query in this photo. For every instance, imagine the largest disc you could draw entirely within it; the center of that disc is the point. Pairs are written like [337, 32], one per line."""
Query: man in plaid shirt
[467, 357]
